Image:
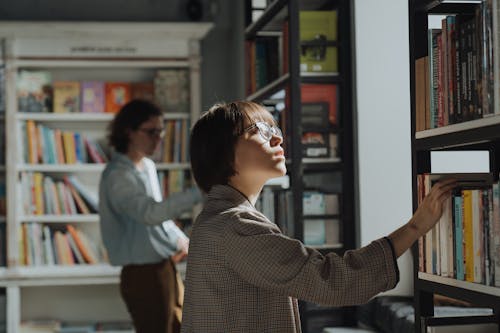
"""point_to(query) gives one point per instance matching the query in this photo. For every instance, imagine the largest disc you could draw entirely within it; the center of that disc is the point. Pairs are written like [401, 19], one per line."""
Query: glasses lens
[264, 130]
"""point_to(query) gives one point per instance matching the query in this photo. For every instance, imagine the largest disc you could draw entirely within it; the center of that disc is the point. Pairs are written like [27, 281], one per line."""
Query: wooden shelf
[82, 117]
[269, 15]
[269, 89]
[448, 6]
[60, 275]
[466, 133]
[66, 168]
[76, 218]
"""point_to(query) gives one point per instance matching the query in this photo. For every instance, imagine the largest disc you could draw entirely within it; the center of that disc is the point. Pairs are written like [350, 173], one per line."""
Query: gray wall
[222, 49]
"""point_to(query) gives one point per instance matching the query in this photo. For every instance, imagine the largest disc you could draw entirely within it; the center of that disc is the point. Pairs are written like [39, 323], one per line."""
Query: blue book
[459, 253]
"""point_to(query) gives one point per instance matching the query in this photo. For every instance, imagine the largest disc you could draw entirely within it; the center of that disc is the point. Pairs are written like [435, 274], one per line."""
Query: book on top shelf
[172, 90]
[92, 96]
[66, 96]
[143, 90]
[34, 91]
[117, 94]
[316, 29]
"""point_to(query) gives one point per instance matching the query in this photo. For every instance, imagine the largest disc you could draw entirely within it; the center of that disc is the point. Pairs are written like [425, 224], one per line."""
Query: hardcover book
[321, 93]
[316, 29]
[92, 96]
[171, 89]
[66, 96]
[34, 91]
[117, 95]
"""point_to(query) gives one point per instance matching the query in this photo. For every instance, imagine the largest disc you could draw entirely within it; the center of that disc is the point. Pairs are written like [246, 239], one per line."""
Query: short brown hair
[214, 137]
[131, 116]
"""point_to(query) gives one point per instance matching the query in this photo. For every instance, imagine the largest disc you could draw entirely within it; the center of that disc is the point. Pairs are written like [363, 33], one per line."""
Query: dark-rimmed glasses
[153, 132]
[266, 131]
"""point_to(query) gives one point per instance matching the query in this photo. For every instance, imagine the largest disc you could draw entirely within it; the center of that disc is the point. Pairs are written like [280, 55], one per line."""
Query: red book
[313, 93]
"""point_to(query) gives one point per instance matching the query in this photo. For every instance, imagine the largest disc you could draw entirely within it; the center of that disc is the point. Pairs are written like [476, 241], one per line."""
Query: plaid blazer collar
[229, 193]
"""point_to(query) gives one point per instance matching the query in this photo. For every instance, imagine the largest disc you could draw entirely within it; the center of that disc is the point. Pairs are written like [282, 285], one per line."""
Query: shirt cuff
[391, 245]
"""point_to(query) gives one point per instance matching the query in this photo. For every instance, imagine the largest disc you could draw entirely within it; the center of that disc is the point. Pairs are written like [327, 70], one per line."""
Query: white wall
[383, 123]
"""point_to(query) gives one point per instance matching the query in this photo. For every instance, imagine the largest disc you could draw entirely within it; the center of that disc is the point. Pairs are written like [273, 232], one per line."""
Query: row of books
[37, 92]
[173, 181]
[55, 146]
[55, 245]
[174, 147]
[455, 82]
[43, 195]
[465, 244]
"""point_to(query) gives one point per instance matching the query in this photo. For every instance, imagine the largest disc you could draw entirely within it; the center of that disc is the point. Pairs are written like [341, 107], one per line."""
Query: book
[66, 96]
[316, 29]
[117, 94]
[83, 245]
[172, 90]
[34, 91]
[321, 93]
[92, 96]
[143, 90]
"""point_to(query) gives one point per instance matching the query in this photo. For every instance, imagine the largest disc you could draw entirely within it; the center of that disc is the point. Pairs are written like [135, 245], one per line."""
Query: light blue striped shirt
[135, 221]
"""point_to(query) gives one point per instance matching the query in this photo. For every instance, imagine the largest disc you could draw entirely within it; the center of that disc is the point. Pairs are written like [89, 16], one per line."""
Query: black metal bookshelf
[299, 167]
[483, 133]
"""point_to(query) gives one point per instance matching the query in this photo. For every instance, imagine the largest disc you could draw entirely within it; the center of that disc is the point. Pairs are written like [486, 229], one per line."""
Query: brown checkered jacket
[244, 275]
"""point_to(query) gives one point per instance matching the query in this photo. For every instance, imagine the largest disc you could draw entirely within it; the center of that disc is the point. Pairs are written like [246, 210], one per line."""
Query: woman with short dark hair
[243, 274]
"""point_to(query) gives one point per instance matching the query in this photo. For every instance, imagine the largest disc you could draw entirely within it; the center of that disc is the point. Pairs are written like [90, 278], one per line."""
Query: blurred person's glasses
[153, 132]
[266, 131]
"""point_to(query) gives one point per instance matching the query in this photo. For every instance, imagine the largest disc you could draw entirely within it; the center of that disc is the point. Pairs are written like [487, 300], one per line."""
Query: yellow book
[69, 147]
[66, 96]
[39, 200]
[468, 235]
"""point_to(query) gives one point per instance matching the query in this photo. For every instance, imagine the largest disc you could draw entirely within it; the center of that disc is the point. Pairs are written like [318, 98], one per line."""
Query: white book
[47, 244]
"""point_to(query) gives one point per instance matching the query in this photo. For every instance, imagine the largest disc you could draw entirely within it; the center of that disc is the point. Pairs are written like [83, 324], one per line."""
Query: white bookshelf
[80, 51]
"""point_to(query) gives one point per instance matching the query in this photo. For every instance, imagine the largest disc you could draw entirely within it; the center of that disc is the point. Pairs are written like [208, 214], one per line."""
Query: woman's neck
[249, 188]
[136, 158]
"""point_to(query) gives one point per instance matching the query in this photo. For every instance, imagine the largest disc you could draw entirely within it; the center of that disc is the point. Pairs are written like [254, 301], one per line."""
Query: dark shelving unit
[299, 168]
[481, 133]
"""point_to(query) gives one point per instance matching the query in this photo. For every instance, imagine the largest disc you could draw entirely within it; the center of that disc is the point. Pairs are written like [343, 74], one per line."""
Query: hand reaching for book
[430, 210]
[426, 216]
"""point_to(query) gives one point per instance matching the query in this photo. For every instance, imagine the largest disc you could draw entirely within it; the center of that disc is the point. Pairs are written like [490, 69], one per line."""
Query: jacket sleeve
[127, 195]
[262, 256]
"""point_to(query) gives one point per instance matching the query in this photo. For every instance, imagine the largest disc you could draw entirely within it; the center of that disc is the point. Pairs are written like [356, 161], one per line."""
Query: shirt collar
[229, 193]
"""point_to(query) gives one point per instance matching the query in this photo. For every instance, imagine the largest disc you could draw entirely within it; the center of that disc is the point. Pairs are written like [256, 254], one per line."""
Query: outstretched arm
[425, 217]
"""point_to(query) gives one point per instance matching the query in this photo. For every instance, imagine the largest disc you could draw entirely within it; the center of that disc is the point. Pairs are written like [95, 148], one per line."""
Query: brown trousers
[154, 295]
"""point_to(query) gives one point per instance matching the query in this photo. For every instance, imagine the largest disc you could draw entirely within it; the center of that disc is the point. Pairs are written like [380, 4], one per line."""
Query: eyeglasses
[266, 131]
[153, 132]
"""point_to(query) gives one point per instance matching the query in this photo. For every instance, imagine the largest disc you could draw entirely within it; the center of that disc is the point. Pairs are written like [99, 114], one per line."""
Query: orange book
[39, 200]
[83, 246]
[468, 235]
[311, 93]
[31, 138]
[117, 94]
[80, 204]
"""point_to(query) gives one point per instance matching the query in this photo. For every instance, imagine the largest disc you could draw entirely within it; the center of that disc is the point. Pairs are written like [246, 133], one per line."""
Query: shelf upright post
[295, 117]
[11, 158]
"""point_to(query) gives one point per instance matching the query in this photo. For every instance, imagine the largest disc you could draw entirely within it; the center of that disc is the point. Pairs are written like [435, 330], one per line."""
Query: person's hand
[183, 247]
[431, 208]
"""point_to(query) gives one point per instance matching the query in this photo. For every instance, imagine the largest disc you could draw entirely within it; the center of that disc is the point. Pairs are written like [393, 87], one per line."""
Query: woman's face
[257, 158]
[147, 137]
